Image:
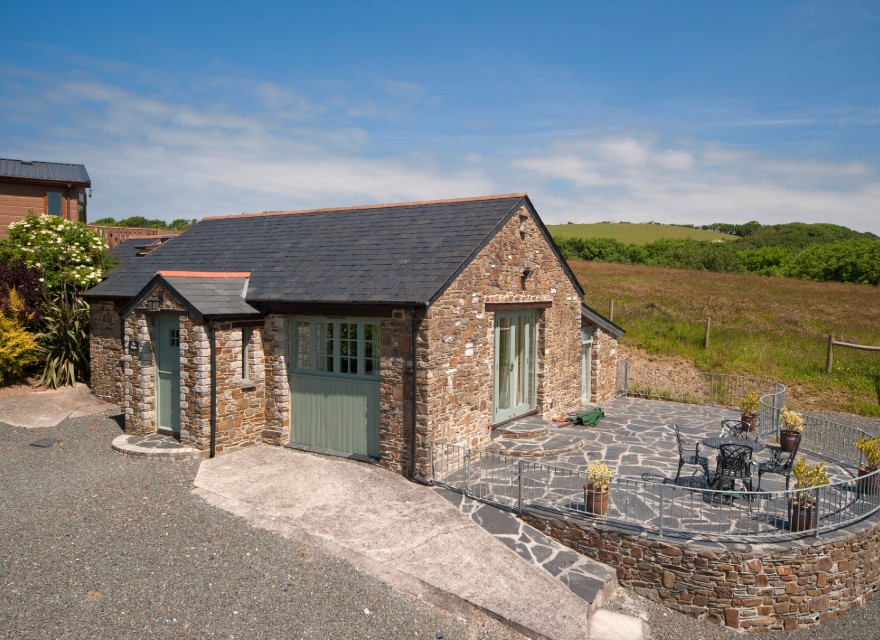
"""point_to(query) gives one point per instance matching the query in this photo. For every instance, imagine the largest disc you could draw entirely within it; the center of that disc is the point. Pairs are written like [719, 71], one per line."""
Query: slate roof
[45, 171]
[594, 317]
[214, 294]
[385, 254]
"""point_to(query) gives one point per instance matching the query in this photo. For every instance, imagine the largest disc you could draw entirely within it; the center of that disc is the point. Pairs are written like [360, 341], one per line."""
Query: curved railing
[659, 506]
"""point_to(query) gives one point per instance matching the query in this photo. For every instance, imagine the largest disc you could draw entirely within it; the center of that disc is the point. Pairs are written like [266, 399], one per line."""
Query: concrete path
[39, 409]
[404, 533]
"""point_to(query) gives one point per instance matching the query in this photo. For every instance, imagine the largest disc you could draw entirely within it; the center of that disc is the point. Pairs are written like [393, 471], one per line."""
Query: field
[761, 326]
[633, 233]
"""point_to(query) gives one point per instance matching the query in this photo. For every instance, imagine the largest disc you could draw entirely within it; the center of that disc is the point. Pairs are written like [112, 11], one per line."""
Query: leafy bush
[18, 346]
[27, 286]
[692, 254]
[64, 339]
[140, 222]
[766, 261]
[853, 261]
[63, 251]
[798, 235]
[599, 249]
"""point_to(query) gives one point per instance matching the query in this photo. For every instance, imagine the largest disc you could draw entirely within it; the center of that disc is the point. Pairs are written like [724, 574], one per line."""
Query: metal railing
[658, 507]
[694, 387]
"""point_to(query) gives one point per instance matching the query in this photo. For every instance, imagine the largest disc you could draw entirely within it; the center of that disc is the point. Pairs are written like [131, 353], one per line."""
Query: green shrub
[853, 261]
[63, 251]
[18, 346]
[64, 339]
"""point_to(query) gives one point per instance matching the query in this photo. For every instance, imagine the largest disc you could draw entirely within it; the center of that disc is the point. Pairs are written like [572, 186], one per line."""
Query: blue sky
[687, 112]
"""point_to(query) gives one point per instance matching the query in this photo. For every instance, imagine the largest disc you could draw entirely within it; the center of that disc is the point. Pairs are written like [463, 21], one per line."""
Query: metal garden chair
[689, 453]
[734, 429]
[780, 462]
[734, 463]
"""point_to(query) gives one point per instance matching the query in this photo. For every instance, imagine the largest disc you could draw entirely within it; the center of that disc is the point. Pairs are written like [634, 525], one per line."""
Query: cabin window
[348, 347]
[53, 203]
[247, 333]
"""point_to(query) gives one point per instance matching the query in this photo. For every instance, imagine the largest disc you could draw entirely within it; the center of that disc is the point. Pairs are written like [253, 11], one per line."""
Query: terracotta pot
[802, 517]
[750, 419]
[596, 501]
[868, 486]
[788, 440]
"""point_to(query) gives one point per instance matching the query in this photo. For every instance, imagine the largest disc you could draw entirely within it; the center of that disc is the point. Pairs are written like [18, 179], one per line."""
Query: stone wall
[458, 370]
[789, 585]
[139, 384]
[395, 391]
[241, 404]
[105, 351]
[603, 381]
[276, 349]
[195, 384]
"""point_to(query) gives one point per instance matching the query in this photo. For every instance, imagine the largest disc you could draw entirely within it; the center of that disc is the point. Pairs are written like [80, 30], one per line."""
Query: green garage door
[334, 384]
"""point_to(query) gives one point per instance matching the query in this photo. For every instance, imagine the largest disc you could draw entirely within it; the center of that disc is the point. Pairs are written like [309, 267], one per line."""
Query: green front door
[334, 384]
[168, 372]
[515, 356]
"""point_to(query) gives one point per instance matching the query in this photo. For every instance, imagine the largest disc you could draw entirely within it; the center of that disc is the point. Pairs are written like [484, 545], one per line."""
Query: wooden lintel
[518, 306]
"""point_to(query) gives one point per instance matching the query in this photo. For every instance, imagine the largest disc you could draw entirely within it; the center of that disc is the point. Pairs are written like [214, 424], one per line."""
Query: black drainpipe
[212, 339]
[413, 398]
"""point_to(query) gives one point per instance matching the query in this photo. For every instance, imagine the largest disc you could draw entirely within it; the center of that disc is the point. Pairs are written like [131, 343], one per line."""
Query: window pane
[325, 346]
[371, 349]
[348, 344]
[53, 203]
[303, 338]
[245, 352]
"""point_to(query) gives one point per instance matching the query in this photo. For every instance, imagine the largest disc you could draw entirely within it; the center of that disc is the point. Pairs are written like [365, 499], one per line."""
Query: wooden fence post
[611, 311]
[829, 357]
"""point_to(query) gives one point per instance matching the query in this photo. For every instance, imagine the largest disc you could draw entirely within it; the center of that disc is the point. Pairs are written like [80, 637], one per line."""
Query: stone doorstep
[155, 447]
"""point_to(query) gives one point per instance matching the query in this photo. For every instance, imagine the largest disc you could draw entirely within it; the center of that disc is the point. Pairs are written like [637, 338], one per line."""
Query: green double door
[515, 364]
[168, 373]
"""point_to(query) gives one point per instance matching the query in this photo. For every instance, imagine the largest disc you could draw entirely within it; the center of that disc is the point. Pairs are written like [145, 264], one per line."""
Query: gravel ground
[97, 545]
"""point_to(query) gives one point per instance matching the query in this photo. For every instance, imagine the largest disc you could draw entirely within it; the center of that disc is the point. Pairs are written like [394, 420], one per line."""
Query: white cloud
[699, 184]
[227, 145]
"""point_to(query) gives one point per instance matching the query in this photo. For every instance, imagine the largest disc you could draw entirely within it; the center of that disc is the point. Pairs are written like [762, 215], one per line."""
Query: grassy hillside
[761, 326]
[633, 233]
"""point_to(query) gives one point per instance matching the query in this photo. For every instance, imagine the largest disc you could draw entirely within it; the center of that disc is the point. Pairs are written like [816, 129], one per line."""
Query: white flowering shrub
[61, 250]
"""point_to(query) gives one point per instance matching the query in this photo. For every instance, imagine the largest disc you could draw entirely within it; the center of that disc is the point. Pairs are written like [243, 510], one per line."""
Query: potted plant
[803, 512]
[870, 450]
[598, 488]
[749, 405]
[792, 429]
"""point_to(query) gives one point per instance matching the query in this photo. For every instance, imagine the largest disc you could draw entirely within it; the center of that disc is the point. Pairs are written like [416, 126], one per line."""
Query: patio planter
[750, 419]
[596, 501]
[868, 486]
[788, 440]
[802, 516]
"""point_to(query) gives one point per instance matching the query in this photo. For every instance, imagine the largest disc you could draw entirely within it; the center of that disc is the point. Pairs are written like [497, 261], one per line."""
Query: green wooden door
[515, 356]
[334, 384]
[586, 364]
[168, 372]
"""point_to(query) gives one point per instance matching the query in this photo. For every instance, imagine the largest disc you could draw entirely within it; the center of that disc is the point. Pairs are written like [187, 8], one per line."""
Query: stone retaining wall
[789, 585]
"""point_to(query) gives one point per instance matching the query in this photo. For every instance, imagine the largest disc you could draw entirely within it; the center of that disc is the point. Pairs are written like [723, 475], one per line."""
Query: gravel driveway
[97, 545]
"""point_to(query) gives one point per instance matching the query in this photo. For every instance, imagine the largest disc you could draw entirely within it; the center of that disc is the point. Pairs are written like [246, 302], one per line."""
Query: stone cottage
[300, 328]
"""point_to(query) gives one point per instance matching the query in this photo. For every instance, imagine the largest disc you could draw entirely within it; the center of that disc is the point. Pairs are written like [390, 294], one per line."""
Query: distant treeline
[808, 251]
[140, 222]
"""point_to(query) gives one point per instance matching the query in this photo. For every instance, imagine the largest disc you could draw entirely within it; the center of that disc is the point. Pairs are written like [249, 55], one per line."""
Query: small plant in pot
[792, 429]
[870, 450]
[749, 405]
[803, 511]
[597, 490]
